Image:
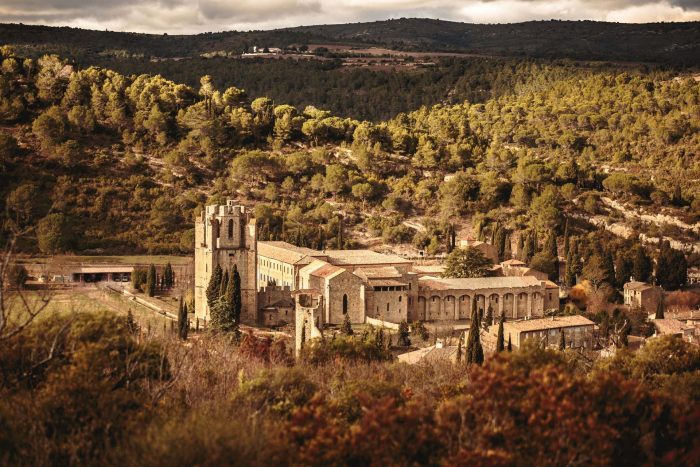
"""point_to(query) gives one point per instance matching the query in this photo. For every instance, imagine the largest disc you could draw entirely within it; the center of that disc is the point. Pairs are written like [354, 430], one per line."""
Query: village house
[674, 327]
[578, 331]
[642, 296]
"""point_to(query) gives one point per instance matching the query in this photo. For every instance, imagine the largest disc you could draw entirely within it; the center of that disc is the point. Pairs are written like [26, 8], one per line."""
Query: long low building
[577, 329]
[515, 297]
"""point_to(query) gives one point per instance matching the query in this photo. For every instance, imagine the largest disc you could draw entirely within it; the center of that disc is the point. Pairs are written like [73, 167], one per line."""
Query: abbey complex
[279, 280]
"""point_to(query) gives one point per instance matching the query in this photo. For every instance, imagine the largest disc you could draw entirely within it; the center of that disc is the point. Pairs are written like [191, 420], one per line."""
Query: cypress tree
[500, 344]
[237, 302]
[508, 252]
[212, 292]
[521, 246]
[566, 238]
[475, 353]
[562, 340]
[500, 243]
[510, 344]
[151, 281]
[641, 265]
[346, 328]
[459, 348]
[223, 285]
[489, 317]
[551, 248]
[131, 323]
[404, 339]
[183, 323]
[167, 273]
[660, 309]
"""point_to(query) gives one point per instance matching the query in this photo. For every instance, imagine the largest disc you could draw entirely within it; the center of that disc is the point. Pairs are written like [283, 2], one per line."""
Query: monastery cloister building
[359, 283]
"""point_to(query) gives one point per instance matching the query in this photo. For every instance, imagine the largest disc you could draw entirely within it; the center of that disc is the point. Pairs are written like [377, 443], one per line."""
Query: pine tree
[346, 327]
[151, 281]
[404, 339]
[213, 287]
[562, 340]
[183, 322]
[500, 344]
[510, 344]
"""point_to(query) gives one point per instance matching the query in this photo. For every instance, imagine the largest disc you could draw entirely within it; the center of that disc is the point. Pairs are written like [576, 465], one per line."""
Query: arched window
[345, 304]
[230, 228]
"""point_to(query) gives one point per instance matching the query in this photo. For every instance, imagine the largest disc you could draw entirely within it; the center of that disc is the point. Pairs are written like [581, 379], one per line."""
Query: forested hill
[670, 43]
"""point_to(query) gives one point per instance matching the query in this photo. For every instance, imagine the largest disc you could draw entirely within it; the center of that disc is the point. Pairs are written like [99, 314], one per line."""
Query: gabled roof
[639, 286]
[362, 257]
[513, 262]
[321, 269]
[288, 253]
[671, 326]
[556, 322]
[438, 283]
[383, 272]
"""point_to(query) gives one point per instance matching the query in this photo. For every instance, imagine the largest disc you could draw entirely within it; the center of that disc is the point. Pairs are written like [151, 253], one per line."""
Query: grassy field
[86, 300]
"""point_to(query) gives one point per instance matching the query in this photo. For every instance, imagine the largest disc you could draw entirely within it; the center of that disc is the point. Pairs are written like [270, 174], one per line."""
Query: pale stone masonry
[578, 331]
[641, 295]
[226, 235]
[451, 299]
[359, 284]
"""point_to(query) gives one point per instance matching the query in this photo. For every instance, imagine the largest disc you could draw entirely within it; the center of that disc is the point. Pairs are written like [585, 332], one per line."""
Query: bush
[348, 348]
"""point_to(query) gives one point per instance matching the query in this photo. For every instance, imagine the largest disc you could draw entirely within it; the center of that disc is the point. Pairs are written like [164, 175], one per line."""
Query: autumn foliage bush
[112, 398]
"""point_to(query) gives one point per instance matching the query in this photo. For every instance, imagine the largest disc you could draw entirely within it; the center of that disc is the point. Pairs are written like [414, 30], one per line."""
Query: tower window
[230, 228]
[345, 304]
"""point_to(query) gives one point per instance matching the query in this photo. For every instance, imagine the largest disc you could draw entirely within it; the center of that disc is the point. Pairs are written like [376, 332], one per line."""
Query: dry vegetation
[90, 389]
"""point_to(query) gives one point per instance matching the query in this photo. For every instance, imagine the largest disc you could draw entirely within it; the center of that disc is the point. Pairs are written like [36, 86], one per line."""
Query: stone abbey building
[277, 276]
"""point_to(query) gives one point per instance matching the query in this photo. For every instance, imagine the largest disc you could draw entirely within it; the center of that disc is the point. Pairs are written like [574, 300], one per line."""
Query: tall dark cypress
[183, 323]
[660, 309]
[212, 292]
[475, 352]
[151, 281]
[500, 344]
[223, 286]
[237, 302]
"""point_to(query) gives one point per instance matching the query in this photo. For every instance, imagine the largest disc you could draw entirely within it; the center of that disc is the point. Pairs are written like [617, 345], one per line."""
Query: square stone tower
[225, 235]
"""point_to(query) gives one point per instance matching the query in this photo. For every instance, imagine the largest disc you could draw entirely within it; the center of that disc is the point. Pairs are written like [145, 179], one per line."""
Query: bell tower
[226, 235]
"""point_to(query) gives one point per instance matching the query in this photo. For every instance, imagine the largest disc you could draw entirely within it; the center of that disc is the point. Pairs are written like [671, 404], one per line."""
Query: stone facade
[226, 235]
[442, 299]
[279, 263]
[578, 331]
[642, 296]
[308, 317]
[343, 292]
[275, 306]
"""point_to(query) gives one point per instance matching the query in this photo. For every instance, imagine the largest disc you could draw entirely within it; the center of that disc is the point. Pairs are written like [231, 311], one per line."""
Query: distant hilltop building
[225, 235]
